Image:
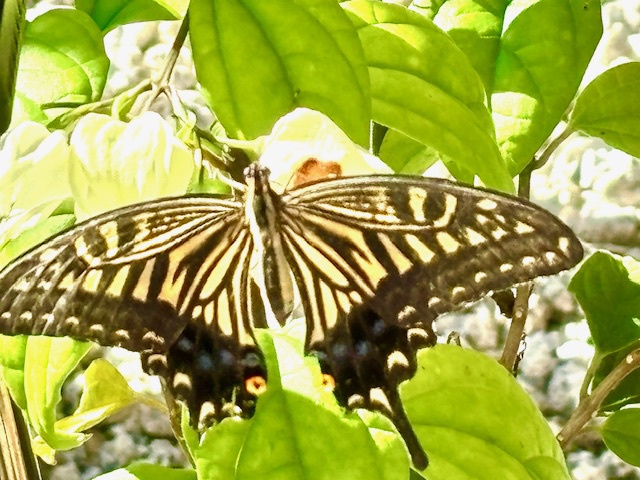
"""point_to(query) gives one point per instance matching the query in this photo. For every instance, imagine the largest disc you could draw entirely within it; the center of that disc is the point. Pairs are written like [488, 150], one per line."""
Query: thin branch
[174, 53]
[17, 461]
[518, 321]
[172, 57]
[553, 145]
[590, 405]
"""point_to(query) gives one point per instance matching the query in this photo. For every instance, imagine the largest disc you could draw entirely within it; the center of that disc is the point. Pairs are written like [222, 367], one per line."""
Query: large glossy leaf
[424, 87]
[476, 422]
[531, 56]
[258, 60]
[475, 26]
[608, 108]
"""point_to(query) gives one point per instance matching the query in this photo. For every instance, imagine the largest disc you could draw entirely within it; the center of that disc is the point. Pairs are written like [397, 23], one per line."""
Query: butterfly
[373, 260]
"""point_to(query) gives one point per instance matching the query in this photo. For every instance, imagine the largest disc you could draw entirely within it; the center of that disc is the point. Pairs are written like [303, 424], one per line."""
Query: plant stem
[174, 53]
[518, 321]
[163, 80]
[17, 461]
[589, 406]
[553, 145]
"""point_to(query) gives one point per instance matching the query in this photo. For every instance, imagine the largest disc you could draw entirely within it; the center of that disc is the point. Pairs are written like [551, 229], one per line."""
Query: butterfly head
[256, 174]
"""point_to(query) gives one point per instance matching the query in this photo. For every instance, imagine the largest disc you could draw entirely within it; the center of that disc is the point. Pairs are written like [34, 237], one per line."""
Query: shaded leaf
[475, 421]
[621, 434]
[109, 14]
[608, 108]
[608, 290]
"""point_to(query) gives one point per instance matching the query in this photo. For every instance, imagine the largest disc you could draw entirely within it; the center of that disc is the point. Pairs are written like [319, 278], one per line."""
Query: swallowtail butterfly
[373, 259]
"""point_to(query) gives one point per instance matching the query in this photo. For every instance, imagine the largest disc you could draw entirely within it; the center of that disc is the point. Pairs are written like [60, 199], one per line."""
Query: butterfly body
[373, 260]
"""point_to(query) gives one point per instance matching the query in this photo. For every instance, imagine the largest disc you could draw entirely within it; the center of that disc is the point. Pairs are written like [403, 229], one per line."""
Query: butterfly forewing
[119, 276]
[413, 248]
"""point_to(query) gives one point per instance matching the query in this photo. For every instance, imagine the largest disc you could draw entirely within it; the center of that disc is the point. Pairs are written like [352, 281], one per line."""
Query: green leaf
[34, 236]
[48, 363]
[63, 59]
[424, 87]
[475, 421]
[608, 290]
[106, 392]
[25, 109]
[109, 14]
[543, 55]
[621, 434]
[475, 26]
[608, 108]
[12, 23]
[12, 353]
[544, 468]
[298, 431]
[258, 60]
[405, 155]
[35, 369]
[146, 471]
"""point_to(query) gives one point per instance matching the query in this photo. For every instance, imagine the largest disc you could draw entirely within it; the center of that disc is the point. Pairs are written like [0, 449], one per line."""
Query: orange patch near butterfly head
[313, 169]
